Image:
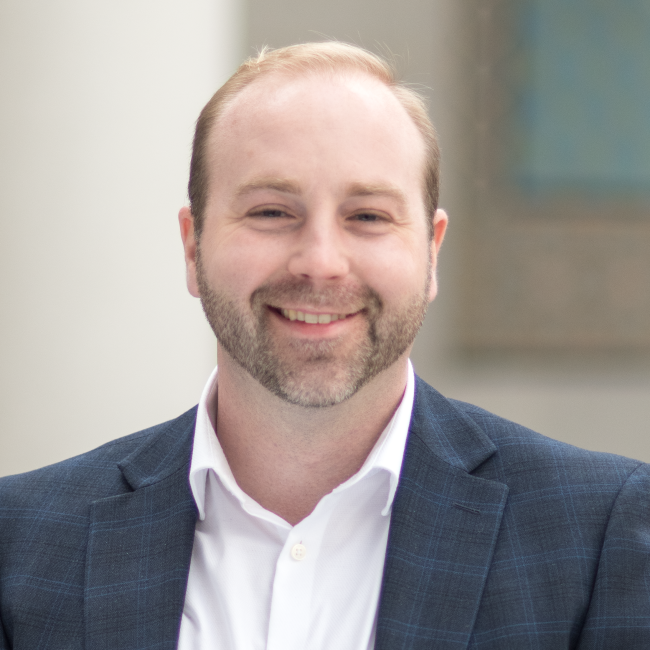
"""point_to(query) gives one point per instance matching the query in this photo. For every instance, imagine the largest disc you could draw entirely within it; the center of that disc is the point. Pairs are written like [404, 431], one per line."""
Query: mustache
[338, 298]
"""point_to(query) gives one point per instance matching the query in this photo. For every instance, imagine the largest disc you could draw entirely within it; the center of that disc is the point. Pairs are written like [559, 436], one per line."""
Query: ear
[186, 222]
[440, 220]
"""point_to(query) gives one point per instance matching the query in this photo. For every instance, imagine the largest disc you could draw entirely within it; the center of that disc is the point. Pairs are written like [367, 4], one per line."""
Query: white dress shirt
[258, 583]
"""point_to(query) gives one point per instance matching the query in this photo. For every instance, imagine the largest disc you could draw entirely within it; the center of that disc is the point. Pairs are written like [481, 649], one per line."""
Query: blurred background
[543, 111]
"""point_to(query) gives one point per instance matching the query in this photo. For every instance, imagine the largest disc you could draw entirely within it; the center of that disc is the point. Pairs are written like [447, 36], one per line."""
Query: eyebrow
[378, 189]
[277, 184]
[291, 187]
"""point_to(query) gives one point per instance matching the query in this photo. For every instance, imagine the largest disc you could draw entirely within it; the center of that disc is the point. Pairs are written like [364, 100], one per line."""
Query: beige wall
[99, 336]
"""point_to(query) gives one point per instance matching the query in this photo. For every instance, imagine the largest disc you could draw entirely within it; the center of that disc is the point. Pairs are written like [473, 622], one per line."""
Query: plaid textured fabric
[500, 539]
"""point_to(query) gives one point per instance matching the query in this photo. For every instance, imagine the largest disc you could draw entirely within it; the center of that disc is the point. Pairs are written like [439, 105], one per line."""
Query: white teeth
[322, 319]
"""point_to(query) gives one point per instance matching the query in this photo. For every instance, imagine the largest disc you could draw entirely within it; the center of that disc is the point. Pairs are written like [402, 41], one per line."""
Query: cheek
[395, 272]
[237, 265]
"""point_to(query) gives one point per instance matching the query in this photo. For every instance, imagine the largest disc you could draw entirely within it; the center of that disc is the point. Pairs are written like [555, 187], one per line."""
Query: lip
[313, 323]
[313, 317]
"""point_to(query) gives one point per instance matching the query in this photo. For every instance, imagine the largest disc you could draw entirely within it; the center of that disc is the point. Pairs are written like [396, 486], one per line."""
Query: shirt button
[298, 552]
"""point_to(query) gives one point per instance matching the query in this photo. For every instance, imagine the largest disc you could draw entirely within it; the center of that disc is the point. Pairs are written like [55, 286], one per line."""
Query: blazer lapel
[444, 526]
[140, 546]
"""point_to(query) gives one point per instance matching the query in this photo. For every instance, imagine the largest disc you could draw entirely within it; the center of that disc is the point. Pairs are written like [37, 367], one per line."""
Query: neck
[288, 457]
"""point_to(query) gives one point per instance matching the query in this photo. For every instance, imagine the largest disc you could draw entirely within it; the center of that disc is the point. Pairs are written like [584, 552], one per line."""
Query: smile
[321, 319]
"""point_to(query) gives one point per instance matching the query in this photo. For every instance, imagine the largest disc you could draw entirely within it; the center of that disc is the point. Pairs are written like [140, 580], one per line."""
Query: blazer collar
[447, 432]
[140, 546]
[166, 450]
[444, 527]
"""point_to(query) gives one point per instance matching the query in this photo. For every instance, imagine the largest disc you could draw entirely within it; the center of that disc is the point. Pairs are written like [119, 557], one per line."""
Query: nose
[319, 253]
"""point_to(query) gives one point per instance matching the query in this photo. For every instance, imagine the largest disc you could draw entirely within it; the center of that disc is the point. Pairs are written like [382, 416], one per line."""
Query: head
[313, 230]
[328, 57]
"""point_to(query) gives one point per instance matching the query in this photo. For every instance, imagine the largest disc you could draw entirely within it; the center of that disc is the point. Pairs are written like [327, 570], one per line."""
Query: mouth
[311, 318]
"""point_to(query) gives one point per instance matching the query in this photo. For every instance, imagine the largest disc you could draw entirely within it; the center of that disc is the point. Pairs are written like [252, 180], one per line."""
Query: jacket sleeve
[619, 611]
[4, 641]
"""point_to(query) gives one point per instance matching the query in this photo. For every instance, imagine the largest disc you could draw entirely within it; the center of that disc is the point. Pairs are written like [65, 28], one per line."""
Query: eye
[369, 222]
[367, 217]
[272, 218]
[269, 213]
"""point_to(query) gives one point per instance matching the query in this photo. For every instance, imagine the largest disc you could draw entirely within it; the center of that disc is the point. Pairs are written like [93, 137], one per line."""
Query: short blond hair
[327, 57]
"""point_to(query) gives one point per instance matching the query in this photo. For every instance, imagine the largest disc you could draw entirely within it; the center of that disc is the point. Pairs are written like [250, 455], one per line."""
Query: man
[321, 496]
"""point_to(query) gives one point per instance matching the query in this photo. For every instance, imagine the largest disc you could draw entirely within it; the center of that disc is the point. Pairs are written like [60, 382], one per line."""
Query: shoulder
[555, 480]
[518, 444]
[85, 478]
[519, 457]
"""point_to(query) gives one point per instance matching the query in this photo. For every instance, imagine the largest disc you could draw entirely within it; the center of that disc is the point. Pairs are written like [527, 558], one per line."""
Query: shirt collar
[386, 455]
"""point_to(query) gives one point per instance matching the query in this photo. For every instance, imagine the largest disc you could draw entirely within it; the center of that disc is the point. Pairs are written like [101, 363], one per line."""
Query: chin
[317, 387]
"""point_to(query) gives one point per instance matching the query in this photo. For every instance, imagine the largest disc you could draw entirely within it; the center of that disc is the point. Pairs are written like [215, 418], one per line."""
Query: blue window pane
[584, 98]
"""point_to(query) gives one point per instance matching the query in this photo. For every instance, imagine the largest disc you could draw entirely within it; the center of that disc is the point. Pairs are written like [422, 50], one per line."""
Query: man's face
[314, 266]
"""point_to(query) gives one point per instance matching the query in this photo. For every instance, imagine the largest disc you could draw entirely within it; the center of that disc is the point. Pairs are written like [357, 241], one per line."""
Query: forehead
[279, 124]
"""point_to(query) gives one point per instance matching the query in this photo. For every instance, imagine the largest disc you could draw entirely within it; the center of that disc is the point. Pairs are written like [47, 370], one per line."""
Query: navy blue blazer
[499, 539]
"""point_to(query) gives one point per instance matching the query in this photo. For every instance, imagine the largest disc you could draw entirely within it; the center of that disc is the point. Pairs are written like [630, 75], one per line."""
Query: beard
[304, 372]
